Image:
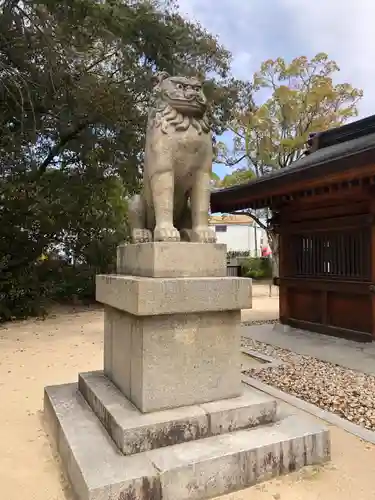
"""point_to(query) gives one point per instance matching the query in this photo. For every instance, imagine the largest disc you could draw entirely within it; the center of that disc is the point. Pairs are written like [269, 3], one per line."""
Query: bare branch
[103, 58]
[234, 162]
[254, 217]
[57, 148]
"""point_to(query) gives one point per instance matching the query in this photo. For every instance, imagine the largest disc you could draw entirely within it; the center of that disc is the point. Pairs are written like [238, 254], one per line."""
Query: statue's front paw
[141, 235]
[203, 234]
[166, 233]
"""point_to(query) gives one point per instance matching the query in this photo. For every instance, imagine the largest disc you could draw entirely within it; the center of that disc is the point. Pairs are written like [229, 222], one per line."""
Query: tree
[81, 70]
[302, 98]
[238, 176]
[75, 85]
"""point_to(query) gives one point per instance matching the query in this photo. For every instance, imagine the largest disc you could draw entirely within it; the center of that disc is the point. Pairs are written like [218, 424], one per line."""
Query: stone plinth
[168, 418]
[161, 260]
[173, 341]
[160, 296]
[173, 360]
[135, 432]
[196, 470]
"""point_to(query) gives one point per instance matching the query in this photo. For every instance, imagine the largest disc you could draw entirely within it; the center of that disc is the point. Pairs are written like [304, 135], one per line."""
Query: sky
[256, 30]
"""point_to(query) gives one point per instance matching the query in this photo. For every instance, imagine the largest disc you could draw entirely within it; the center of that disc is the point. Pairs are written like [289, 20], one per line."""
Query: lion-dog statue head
[178, 102]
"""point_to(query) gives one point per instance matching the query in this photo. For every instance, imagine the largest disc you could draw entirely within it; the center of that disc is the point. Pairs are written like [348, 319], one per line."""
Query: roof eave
[256, 191]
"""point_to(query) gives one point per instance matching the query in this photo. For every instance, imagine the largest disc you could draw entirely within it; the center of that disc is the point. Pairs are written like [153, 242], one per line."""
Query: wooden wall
[326, 264]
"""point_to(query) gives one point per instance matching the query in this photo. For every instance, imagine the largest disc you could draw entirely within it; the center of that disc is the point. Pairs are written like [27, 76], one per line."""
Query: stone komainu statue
[174, 203]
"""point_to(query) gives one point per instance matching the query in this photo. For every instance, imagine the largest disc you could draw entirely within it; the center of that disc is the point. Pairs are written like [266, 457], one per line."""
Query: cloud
[255, 30]
[240, 26]
[344, 30]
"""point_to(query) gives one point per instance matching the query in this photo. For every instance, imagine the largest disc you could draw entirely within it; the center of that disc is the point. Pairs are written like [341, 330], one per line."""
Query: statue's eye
[179, 86]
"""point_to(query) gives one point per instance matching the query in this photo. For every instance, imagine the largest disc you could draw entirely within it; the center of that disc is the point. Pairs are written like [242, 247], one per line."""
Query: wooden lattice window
[341, 254]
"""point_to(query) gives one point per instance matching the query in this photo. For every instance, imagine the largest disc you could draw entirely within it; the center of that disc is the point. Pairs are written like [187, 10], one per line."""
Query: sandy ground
[264, 308]
[38, 353]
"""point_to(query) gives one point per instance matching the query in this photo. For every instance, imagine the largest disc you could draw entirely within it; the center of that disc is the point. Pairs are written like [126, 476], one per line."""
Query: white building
[240, 233]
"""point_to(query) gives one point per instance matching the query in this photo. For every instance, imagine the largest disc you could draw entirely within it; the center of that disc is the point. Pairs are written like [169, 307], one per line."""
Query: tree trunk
[273, 241]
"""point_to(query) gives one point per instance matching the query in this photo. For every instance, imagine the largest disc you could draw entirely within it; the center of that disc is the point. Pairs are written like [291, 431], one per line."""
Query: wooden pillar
[372, 248]
[324, 306]
[283, 272]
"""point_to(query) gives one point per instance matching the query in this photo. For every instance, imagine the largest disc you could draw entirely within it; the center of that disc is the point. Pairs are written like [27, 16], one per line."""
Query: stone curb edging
[327, 416]
[259, 322]
[269, 362]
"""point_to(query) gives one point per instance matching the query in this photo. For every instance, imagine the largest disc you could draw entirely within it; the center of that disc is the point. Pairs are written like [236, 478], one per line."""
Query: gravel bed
[261, 322]
[347, 393]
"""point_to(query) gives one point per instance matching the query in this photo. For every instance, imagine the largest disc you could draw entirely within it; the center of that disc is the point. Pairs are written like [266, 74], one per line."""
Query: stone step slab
[195, 470]
[220, 465]
[136, 432]
[94, 466]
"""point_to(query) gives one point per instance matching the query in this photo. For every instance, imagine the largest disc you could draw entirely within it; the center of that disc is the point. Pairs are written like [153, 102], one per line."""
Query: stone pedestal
[161, 260]
[166, 361]
[173, 341]
[168, 417]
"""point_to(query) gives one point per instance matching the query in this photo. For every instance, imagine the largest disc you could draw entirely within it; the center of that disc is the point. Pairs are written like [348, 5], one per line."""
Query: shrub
[257, 268]
[30, 290]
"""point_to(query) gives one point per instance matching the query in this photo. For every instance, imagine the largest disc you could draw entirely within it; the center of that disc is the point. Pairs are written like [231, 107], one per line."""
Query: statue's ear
[159, 77]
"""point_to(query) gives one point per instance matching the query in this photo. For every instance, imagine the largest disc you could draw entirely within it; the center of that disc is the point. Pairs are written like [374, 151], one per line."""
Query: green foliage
[77, 238]
[74, 89]
[257, 268]
[302, 98]
[238, 176]
[237, 253]
[30, 291]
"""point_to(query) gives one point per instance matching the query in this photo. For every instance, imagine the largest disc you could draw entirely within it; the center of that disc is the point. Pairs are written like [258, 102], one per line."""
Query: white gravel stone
[347, 393]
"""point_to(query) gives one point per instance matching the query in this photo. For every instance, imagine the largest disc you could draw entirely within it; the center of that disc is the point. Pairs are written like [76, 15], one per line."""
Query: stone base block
[161, 362]
[196, 470]
[135, 432]
[172, 260]
[222, 464]
[92, 463]
[155, 296]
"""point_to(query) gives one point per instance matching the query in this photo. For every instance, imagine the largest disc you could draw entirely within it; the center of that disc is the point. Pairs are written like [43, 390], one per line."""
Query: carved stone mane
[165, 117]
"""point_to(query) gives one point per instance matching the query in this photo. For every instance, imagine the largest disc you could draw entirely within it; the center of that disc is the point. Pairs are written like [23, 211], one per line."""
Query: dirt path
[34, 354]
[38, 353]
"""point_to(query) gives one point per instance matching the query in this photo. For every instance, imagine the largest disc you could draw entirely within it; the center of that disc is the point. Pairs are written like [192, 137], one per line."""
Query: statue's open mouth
[187, 104]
